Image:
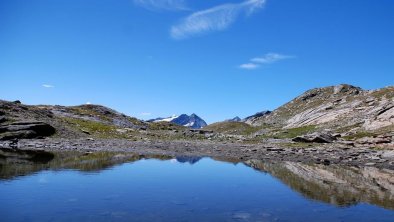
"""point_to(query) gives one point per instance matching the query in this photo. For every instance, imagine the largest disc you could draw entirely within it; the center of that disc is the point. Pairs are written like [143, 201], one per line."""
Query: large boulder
[25, 130]
[315, 138]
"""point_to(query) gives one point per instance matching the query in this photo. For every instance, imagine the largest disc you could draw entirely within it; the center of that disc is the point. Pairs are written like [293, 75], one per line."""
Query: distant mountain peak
[192, 121]
[235, 119]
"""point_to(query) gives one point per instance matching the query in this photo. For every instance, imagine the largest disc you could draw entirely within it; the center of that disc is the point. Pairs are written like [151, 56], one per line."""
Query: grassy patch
[164, 126]
[359, 135]
[293, 132]
[388, 92]
[348, 128]
[237, 128]
[96, 129]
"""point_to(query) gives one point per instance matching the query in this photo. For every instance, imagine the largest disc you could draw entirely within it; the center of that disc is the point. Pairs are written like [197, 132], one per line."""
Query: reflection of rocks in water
[336, 185]
[17, 156]
[14, 165]
[188, 159]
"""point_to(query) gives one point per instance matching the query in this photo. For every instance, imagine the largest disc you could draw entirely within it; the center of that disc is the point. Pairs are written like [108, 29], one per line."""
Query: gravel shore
[322, 154]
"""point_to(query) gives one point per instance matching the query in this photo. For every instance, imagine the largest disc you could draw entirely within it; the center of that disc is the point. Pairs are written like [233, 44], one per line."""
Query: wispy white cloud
[146, 114]
[265, 59]
[214, 19]
[249, 66]
[270, 58]
[88, 103]
[171, 5]
[47, 86]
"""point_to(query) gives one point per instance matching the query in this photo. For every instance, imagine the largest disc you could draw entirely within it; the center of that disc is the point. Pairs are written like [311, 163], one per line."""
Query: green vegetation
[89, 110]
[388, 92]
[348, 128]
[359, 135]
[293, 132]
[236, 128]
[164, 126]
[97, 129]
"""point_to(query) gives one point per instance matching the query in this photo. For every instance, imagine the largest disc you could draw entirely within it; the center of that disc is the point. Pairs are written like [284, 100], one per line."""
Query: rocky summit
[193, 121]
[235, 119]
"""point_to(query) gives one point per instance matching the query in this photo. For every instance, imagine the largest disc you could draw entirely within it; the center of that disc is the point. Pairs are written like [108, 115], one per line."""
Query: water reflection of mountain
[337, 185]
[18, 163]
[188, 159]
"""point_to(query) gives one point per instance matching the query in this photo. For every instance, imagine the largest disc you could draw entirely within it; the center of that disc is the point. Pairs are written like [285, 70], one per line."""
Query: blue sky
[218, 58]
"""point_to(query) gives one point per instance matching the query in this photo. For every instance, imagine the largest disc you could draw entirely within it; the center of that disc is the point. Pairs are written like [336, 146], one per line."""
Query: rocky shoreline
[327, 154]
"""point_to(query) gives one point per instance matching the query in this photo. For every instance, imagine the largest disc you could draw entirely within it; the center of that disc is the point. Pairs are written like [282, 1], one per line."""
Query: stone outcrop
[26, 130]
[315, 138]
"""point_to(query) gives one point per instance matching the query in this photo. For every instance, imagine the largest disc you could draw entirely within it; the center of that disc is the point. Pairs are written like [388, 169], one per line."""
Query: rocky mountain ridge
[340, 114]
[342, 108]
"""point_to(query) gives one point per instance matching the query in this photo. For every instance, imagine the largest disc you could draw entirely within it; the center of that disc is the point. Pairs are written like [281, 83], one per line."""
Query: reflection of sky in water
[151, 190]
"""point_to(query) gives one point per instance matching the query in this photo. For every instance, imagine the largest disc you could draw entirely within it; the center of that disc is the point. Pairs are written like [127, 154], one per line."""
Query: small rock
[275, 149]
[388, 154]
[86, 132]
[370, 164]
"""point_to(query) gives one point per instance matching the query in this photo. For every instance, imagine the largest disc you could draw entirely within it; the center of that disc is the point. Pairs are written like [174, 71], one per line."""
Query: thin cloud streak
[268, 58]
[168, 5]
[48, 86]
[213, 19]
[249, 66]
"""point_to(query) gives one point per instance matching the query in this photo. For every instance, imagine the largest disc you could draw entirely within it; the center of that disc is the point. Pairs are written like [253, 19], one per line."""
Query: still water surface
[113, 187]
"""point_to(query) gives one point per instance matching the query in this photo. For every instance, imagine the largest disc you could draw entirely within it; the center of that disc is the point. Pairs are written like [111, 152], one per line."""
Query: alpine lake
[107, 186]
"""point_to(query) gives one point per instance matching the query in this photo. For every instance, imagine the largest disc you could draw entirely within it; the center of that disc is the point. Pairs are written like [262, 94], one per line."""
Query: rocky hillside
[342, 107]
[18, 120]
[345, 109]
[319, 115]
[323, 115]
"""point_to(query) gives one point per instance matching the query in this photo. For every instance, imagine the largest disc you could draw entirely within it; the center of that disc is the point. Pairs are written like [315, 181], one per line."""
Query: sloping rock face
[25, 130]
[343, 107]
